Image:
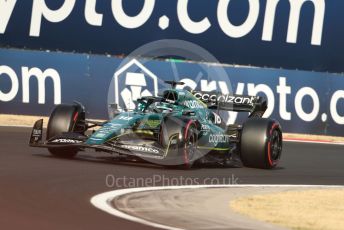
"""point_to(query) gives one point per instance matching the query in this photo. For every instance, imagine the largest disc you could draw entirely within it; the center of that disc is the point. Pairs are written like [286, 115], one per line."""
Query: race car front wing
[78, 141]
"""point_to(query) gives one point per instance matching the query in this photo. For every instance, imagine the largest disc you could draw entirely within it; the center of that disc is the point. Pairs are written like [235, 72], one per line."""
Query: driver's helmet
[140, 106]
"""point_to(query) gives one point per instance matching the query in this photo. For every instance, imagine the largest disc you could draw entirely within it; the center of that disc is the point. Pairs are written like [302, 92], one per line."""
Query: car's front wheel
[64, 118]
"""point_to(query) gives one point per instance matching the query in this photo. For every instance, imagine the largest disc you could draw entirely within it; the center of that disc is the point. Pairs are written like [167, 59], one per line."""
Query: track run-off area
[40, 191]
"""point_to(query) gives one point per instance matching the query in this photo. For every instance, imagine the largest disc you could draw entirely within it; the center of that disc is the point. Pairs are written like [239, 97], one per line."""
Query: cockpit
[167, 104]
[170, 100]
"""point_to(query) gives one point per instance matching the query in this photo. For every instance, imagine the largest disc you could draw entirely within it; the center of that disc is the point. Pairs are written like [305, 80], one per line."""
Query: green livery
[177, 128]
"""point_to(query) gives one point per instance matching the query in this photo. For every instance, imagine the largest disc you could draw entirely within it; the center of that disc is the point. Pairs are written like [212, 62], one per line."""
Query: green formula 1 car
[179, 128]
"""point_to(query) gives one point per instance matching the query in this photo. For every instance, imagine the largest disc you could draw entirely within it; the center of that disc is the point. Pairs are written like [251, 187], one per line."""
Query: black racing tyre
[261, 143]
[64, 118]
[189, 147]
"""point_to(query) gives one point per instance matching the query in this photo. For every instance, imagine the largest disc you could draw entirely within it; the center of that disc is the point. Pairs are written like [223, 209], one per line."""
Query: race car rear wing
[255, 105]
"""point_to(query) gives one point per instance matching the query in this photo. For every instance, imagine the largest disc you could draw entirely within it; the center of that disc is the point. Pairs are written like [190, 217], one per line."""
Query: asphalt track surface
[38, 191]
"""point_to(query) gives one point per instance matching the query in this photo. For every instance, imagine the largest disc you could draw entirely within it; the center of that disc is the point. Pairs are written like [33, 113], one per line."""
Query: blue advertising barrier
[288, 34]
[32, 82]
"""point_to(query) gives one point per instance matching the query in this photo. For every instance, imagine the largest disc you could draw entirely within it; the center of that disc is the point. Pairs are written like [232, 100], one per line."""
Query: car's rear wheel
[261, 143]
[64, 118]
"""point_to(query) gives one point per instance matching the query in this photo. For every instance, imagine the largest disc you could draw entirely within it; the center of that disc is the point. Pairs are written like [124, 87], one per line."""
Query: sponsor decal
[193, 104]
[170, 101]
[36, 135]
[233, 99]
[141, 148]
[36, 132]
[126, 118]
[218, 138]
[68, 141]
[205, 127]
